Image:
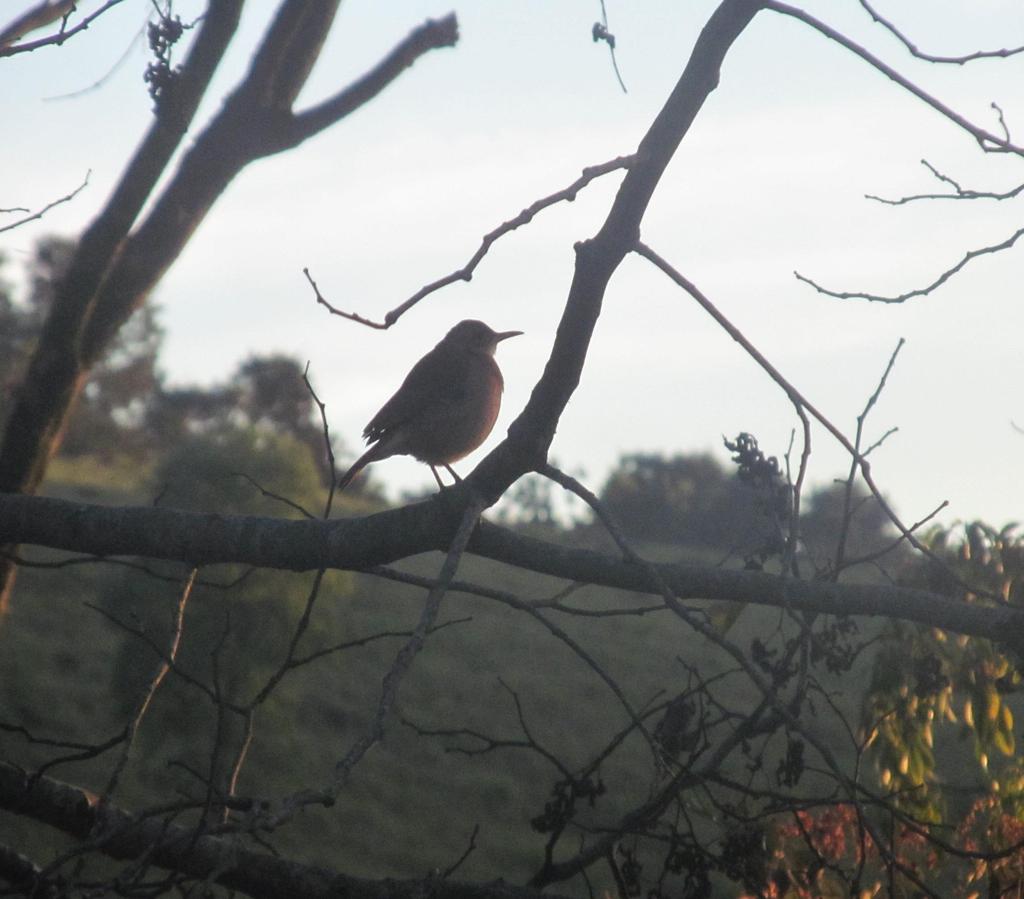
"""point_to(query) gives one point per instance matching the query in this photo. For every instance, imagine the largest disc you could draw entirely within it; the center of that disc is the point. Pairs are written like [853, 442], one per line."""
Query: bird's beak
[505, 335]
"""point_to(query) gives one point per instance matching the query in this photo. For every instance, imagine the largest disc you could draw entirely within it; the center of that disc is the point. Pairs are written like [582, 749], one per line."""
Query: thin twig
[240, 757]
[153, 645]
[322, 407]
[532, 610]
[989, 142]
[269, 494]
[288, 661]
[847, 517]
[40, 213]
[920, 291]
[928, 57]
[465, 273]
[39, 16]
[794, 395]
[959, 192]
[158, 678]
[399, 668]
[454, 866]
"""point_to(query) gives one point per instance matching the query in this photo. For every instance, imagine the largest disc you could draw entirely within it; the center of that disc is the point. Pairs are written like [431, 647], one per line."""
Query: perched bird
[445, 407]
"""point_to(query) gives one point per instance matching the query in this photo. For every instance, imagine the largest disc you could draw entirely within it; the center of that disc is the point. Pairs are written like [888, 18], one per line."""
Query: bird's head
[475, 336]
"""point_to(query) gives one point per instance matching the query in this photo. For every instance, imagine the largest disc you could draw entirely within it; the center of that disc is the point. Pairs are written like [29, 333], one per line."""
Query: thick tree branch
[112, 273]
[361, 543]
[54, 377]
[122, 835]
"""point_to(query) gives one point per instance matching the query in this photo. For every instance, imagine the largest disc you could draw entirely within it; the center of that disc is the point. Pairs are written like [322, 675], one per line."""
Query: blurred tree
[126, 406]
[110, 415]
[265, 395]
[18, 330]
[687, 500]
[239, 631]
[834, 510]
[271, 393]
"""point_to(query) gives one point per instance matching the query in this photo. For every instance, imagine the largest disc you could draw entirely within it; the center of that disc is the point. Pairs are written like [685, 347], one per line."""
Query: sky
[771, 179]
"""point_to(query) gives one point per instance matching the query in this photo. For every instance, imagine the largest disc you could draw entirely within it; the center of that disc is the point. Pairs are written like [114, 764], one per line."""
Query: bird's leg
[437, 477]
[451, 471]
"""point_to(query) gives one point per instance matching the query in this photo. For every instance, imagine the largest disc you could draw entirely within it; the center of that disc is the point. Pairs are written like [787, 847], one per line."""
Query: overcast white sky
[770, 179]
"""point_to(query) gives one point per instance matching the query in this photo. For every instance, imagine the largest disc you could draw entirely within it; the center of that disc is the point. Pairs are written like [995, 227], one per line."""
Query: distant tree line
[128, 406]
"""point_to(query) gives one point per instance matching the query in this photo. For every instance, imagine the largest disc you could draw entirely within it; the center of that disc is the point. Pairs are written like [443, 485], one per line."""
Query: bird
[446, 406]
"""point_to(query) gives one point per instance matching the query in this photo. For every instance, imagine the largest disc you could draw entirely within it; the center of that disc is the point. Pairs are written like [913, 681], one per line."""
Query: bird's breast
[458, 423]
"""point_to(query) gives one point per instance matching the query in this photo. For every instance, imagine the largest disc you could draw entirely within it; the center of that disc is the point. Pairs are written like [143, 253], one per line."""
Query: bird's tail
[374, 454]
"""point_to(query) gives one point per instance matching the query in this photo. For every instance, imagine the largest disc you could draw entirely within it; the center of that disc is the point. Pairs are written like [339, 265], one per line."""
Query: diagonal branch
[988, 141]
[36, 419]
[567, 194]
[39, 213]
[404, 659]
[166, 663]
[41, 15]
[433, 34]
[531, 433]
[795, 396]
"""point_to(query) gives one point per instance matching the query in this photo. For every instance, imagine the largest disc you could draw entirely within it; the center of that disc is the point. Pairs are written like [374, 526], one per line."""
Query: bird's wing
[432, 381]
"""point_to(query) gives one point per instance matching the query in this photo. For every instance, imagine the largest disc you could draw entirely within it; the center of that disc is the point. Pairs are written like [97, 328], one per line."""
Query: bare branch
[41, 15]
[928, 57]
[454, 866]
[988, 141]
[567, 194]
[140, 634]
[328, 449]
[404, 659]
[334, 310]
[920, 291]
[158, 678]
[530, 435]
[847, 517]
[914, 528]
[794, 395]
[959, 193]
[293, 644]
[276, 497]
[80, 751]
[433, 34]
[559, 633]
[40, 213]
